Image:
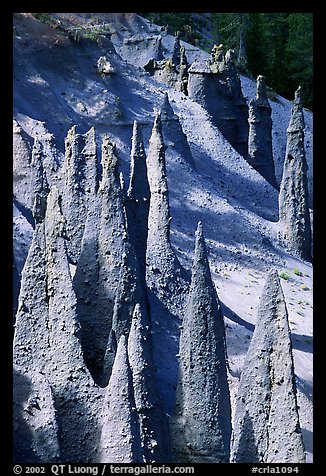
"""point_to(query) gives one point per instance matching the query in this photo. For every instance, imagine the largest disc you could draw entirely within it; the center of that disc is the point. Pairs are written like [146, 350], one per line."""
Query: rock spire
[267, 428]
[34, 419]
[174, 137]
[138, 198]
[119, 440]
[260, 148]
[215, 85]
[133, 423]
[201, 427]
[108, 280]
[47, 337]
[80, 170]
[154, 432]
[167, 281]
[293, 198]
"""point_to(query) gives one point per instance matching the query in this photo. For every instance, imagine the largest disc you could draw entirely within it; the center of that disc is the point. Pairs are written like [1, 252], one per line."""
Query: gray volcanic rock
[31, 345]
[167, 281]
[164, 271]
[76, 396]
[47, 334]
[41, 188]
[80, 171]
[97, 277]
[174, 136]
[182, 83]
[154, 432]
[119, 441]
[293, 198]
[172, 71]
[216, 86]
[134, 427]
[266, 423]
[22, 157]
[108, 281]
[35, 427]
[201, 427]
[260, 149]
[138, 198]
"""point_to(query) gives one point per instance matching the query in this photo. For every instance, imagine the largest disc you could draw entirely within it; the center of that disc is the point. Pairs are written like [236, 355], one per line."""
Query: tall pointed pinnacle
[154, 433]
[260, 146]
[109, 164]
[40, 186]
[293, 198]
[267, 428]
[138, 186]
[34, 414]
[176, 50]
[174, 136]
[138, 199]
[159, 212]
[80, 186]
[119, 440]
[201, 426]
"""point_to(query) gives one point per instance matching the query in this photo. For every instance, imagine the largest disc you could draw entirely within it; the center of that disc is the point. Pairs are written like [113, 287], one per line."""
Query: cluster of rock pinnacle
[216, 85]
[100, 269]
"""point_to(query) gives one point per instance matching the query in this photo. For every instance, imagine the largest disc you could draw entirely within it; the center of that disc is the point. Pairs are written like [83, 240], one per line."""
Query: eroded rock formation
[162, 261]
[35, 427]
[138, 198]
[171, 71]
[293, 198]
[201, 427]
[216, 85]
[81, 181]
[107, 280]
[260, 148]
[174, 136]
[47, 334]
[266, 423]
[153, 427]
[120, 439]
[132, 404]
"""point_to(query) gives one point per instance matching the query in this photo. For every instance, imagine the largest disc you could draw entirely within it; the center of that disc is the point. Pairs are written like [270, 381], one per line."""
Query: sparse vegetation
[297, 272]
[284, 275]
[42, 17]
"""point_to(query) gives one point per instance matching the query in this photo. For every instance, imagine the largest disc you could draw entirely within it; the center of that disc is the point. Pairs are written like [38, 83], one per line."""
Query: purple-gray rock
[201, 426]
[163, 267]
[172, 71]
[80, 171]
[266, 422]
[138, 198]
[108, 281]
[167, 281]
[119, 438]
[153, 426]
[35, 427]
[174, 137]
[293, 198]
[47, 335]
[216, 86]
[22, 157]
[260, 148]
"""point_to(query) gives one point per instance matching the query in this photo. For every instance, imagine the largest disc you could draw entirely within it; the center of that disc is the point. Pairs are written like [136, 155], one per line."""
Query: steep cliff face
[121, 352]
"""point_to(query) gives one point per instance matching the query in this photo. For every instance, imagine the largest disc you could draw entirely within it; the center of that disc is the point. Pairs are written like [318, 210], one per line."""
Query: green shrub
[42, 17]
[284, 275]
[297, 272]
